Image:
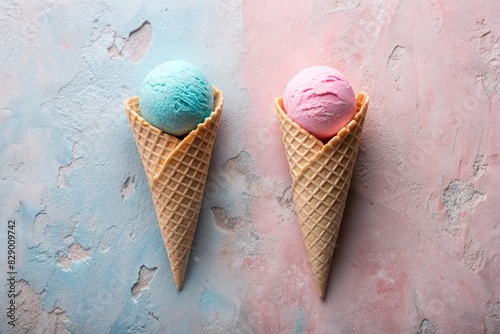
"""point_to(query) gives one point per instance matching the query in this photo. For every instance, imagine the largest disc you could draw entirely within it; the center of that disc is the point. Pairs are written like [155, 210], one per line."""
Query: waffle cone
[321, 175]
[177, 171]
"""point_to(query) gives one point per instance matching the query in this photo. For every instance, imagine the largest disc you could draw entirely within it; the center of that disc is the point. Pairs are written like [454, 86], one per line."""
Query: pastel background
[419, 244]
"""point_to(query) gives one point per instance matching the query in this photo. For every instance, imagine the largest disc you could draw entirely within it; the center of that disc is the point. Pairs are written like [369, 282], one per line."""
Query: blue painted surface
[67, 150]
[300, 322]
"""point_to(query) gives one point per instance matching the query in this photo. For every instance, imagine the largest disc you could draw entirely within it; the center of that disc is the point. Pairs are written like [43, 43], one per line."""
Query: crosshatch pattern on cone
[177, 172]
[321, 175]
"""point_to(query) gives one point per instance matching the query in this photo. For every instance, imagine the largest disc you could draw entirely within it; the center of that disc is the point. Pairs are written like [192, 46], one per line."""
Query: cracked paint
[417, 249]
[32, 318]
[136, 45]
[394, 59]
[146, 275]
[128, 187]
[492, 319]
[460, 197]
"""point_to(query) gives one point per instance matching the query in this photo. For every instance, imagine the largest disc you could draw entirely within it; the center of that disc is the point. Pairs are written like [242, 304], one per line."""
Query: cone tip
[179, 282]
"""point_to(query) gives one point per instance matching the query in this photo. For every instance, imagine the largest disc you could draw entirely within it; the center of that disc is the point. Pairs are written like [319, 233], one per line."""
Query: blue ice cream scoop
[175, 97]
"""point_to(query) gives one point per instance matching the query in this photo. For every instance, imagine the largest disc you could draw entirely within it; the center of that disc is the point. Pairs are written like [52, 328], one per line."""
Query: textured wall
[417, 251]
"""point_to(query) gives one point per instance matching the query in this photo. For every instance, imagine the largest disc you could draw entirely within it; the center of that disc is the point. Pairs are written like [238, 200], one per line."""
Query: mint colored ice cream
[175, 97]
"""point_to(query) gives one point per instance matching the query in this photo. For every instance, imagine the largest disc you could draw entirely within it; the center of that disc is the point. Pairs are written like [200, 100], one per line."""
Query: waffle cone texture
[321, 175]
[177, 171]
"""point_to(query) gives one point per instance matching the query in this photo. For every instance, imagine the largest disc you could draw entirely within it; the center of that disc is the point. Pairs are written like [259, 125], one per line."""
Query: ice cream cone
[321, 175]
[177, 171]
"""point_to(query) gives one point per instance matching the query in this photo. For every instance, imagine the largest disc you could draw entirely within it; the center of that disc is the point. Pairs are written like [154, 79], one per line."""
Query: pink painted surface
[417, 248]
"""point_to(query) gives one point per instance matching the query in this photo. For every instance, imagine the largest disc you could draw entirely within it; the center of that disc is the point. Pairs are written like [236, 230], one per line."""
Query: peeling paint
[395, 58]
[460, 197]
[489, 47]
[492, 319]
[222, 219]
[426, 327]
[77, 253]
[479, 166]
[138, 42]
[63, 170]
[136, 45]
[474, 259]
[32, 318]
[128, 187]
[65, 262]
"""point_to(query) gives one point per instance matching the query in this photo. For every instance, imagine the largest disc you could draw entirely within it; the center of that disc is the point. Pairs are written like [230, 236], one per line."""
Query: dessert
[176, 167]
[321, 174]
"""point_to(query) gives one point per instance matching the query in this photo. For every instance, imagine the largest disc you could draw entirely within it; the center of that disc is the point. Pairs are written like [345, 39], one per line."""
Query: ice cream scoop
[320, 100]
[175, 97]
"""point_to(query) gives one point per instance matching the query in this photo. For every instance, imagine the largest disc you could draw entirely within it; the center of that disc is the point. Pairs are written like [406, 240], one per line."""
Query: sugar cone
[177, 171]
[321, 175]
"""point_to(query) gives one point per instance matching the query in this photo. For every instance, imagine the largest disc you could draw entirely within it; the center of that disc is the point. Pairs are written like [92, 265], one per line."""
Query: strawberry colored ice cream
[320, 100]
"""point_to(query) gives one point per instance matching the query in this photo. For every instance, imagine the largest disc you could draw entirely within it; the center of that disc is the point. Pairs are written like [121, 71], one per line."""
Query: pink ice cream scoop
[320, 100]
